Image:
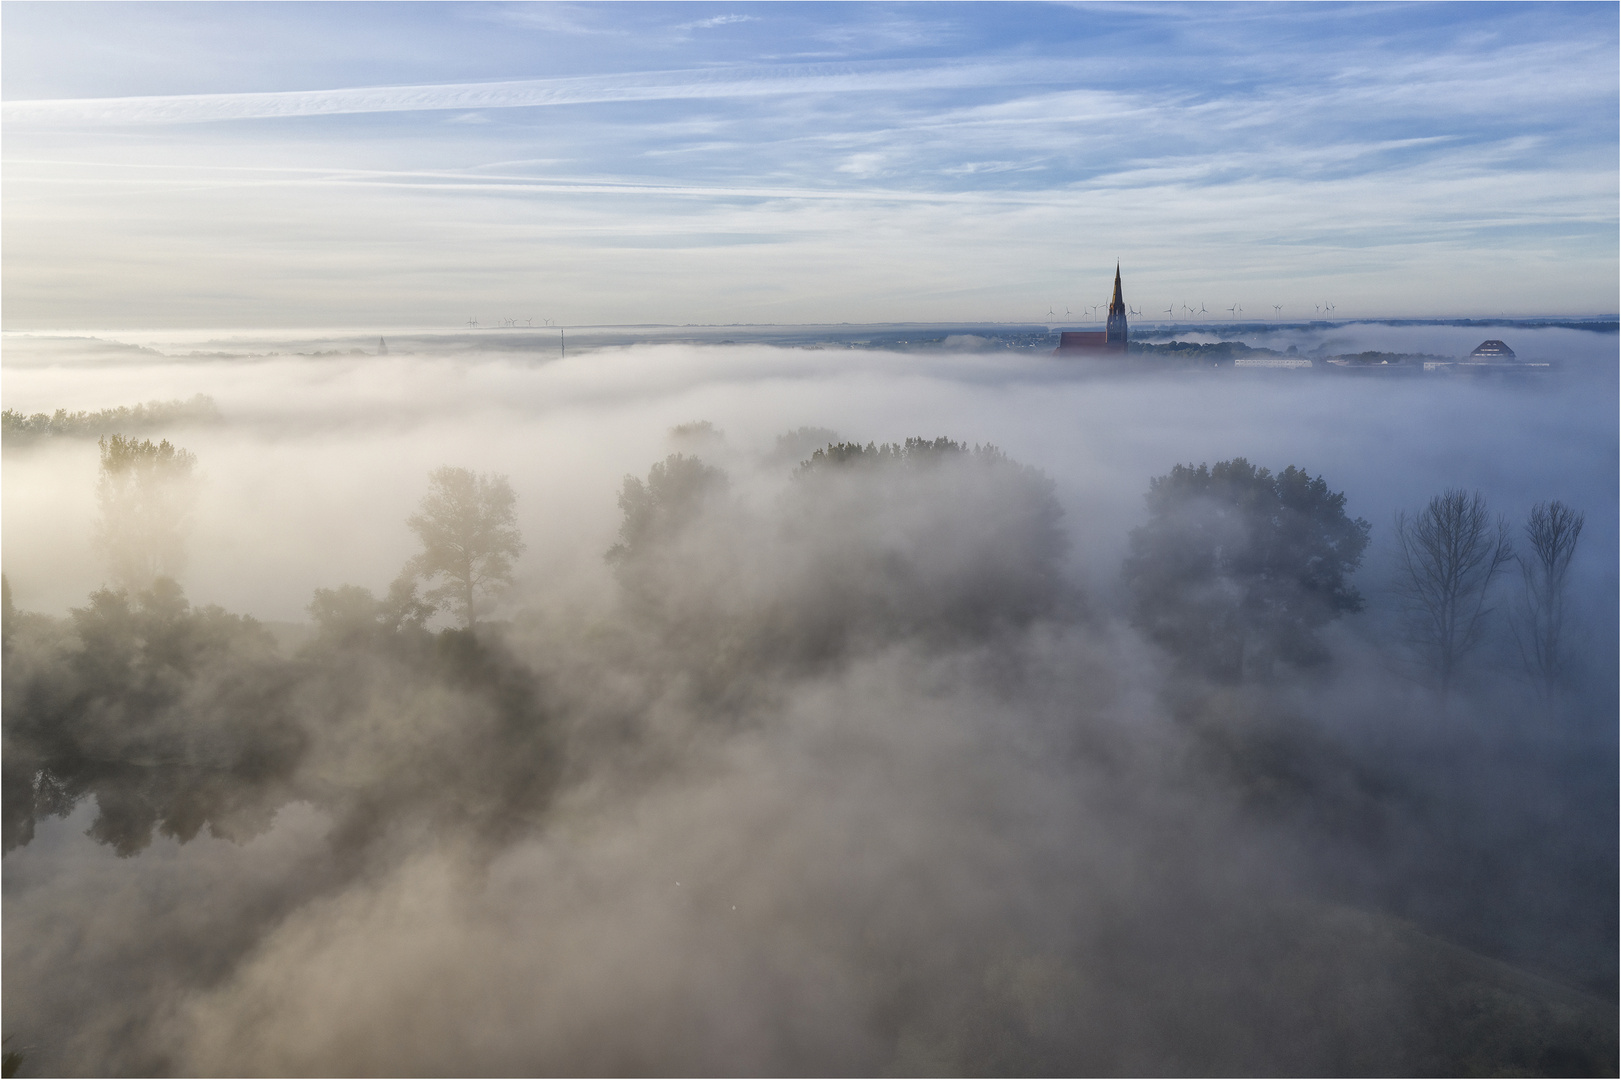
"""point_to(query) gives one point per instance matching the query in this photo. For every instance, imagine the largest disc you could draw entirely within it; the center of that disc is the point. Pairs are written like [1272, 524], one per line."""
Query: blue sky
[190, 165]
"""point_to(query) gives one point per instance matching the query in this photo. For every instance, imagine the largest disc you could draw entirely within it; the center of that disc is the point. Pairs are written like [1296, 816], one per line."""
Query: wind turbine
[1202, 309]
[1171, 310]
[472, 323]
[1189, 310]
[1240, 308]
[1231, 310]
[1050, 314]
[1133, 311]
[1277, 310]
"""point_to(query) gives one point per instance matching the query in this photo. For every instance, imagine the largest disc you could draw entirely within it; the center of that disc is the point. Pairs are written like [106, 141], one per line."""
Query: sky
[380, 165]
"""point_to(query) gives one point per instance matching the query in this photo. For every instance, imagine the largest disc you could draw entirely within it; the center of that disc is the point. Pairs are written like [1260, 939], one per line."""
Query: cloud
[718, 20]
[718, 83]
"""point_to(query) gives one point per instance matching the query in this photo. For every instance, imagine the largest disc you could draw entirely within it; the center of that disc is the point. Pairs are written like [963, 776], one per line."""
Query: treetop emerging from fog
[1237, 567]
[145, 496]
[469, 537]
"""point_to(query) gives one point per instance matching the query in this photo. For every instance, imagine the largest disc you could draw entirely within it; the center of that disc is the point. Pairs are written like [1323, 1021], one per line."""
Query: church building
[1112, 339]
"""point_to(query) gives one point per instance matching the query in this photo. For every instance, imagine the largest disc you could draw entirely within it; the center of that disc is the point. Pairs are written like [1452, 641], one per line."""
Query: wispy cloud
[1421, 158]
[718, 20]
[552, 18]
[730, 82]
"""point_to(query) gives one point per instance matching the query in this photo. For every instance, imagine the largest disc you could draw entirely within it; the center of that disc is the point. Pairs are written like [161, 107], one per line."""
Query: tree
[350, 614]
[469, 538]
[145, 494]
[1552, 529]
[1237, 568]
[1448, 555]
[927, 536]
[670, 499]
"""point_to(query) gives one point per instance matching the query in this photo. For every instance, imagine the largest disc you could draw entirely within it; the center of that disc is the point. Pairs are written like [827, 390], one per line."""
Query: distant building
[1084, 341]
[1112, 339]
[1491, 350]
[1495, 360]
[1116, 330]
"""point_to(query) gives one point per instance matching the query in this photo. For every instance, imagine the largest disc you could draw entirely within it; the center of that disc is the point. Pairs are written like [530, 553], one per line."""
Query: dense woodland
[1474, 931]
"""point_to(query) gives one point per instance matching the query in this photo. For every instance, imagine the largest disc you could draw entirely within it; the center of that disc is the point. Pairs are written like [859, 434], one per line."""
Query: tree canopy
[1238, 567]
[469, 536]
[144, 491]
[671, 497]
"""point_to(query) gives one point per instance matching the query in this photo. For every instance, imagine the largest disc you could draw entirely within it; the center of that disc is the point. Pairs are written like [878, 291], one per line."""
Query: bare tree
[145, 493]
[1449, 553]
[1552, 529]
[469, 538]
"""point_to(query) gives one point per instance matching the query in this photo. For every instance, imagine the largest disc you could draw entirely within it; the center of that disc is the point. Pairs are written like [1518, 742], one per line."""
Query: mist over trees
[848, 775]
[1449, 554]
[145, 492]
[170, 717]
[469, 539]
[1237, 569]
[1551, 532]
[19, 429]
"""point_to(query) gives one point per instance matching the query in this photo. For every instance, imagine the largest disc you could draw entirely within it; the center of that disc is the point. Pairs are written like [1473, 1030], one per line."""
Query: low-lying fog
[868, 766]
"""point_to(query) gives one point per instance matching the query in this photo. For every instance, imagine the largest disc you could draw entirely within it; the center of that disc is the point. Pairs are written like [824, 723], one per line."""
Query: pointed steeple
[1116, 331]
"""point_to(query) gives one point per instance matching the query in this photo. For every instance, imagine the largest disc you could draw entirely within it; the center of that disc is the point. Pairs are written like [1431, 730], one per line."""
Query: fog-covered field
[832, 768]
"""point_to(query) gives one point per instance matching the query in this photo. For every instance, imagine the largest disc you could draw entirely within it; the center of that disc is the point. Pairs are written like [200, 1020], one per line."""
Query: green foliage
[1237, 568]
[469, 536]
[145, 493]
[19, 429]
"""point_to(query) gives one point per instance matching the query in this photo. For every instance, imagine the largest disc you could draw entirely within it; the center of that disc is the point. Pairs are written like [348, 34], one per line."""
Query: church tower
[1115, 335]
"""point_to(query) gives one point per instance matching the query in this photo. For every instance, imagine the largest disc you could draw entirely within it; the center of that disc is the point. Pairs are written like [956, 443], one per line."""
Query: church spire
[1116, 332]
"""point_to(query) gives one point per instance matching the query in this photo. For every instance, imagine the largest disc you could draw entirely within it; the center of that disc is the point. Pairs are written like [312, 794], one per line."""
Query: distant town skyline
[211, 165]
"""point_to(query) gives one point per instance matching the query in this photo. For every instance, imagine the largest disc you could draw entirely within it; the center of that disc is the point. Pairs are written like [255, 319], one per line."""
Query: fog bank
[850, 763]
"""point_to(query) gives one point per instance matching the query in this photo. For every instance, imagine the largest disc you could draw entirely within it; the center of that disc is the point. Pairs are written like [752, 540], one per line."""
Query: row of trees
[466, 523]
[1449, 555]
[1237, 569]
